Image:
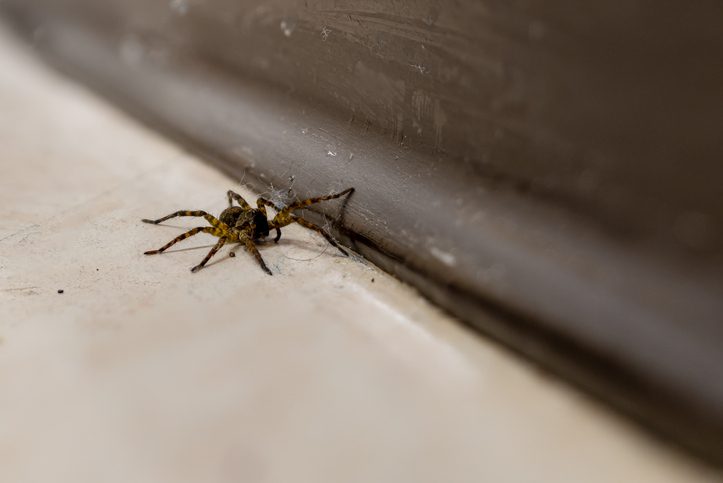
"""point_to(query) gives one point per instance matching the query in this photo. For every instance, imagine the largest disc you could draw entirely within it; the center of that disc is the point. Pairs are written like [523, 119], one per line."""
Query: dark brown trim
[551, 177]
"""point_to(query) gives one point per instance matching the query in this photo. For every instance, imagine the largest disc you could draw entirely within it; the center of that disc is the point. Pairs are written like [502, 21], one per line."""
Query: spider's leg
[311, 201]
[245, 238]
[239, 199]
[321, 231]
[262, 203]
[194, 231]
[213, 251]
[210, 218]
[255, 252]
[284, 218]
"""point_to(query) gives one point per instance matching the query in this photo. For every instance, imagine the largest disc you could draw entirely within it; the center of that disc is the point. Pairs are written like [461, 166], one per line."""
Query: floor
[328, 371]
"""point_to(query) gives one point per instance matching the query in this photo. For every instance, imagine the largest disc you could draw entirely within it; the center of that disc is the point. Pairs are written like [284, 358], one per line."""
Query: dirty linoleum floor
[328, 371]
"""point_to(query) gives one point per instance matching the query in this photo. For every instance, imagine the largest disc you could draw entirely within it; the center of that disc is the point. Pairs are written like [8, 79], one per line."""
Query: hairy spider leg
[302, 204]
[284, 218]
[264, 202]
[311, 201]
[189, 233]
[213, 251]
[210, 218]
[239, 199]
[251, 248]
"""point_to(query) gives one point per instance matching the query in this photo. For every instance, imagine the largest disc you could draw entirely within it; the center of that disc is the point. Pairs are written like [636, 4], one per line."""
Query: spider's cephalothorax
[243, 224]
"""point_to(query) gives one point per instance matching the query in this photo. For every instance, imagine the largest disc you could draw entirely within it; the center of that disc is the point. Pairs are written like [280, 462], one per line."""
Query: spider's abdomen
[252, 222]
[233, 215]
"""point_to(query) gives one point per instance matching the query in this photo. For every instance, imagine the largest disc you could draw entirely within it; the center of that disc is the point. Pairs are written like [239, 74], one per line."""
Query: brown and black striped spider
[244, 224]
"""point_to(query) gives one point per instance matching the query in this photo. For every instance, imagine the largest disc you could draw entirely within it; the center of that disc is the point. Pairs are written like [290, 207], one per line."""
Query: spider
[247, 225]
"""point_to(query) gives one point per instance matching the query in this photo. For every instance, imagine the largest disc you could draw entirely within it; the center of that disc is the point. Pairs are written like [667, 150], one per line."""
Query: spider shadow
[216, 260]
[292, 242]
[238, 247]
[261, 245]
[199, 247]
[190, 248]
[167, 225]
